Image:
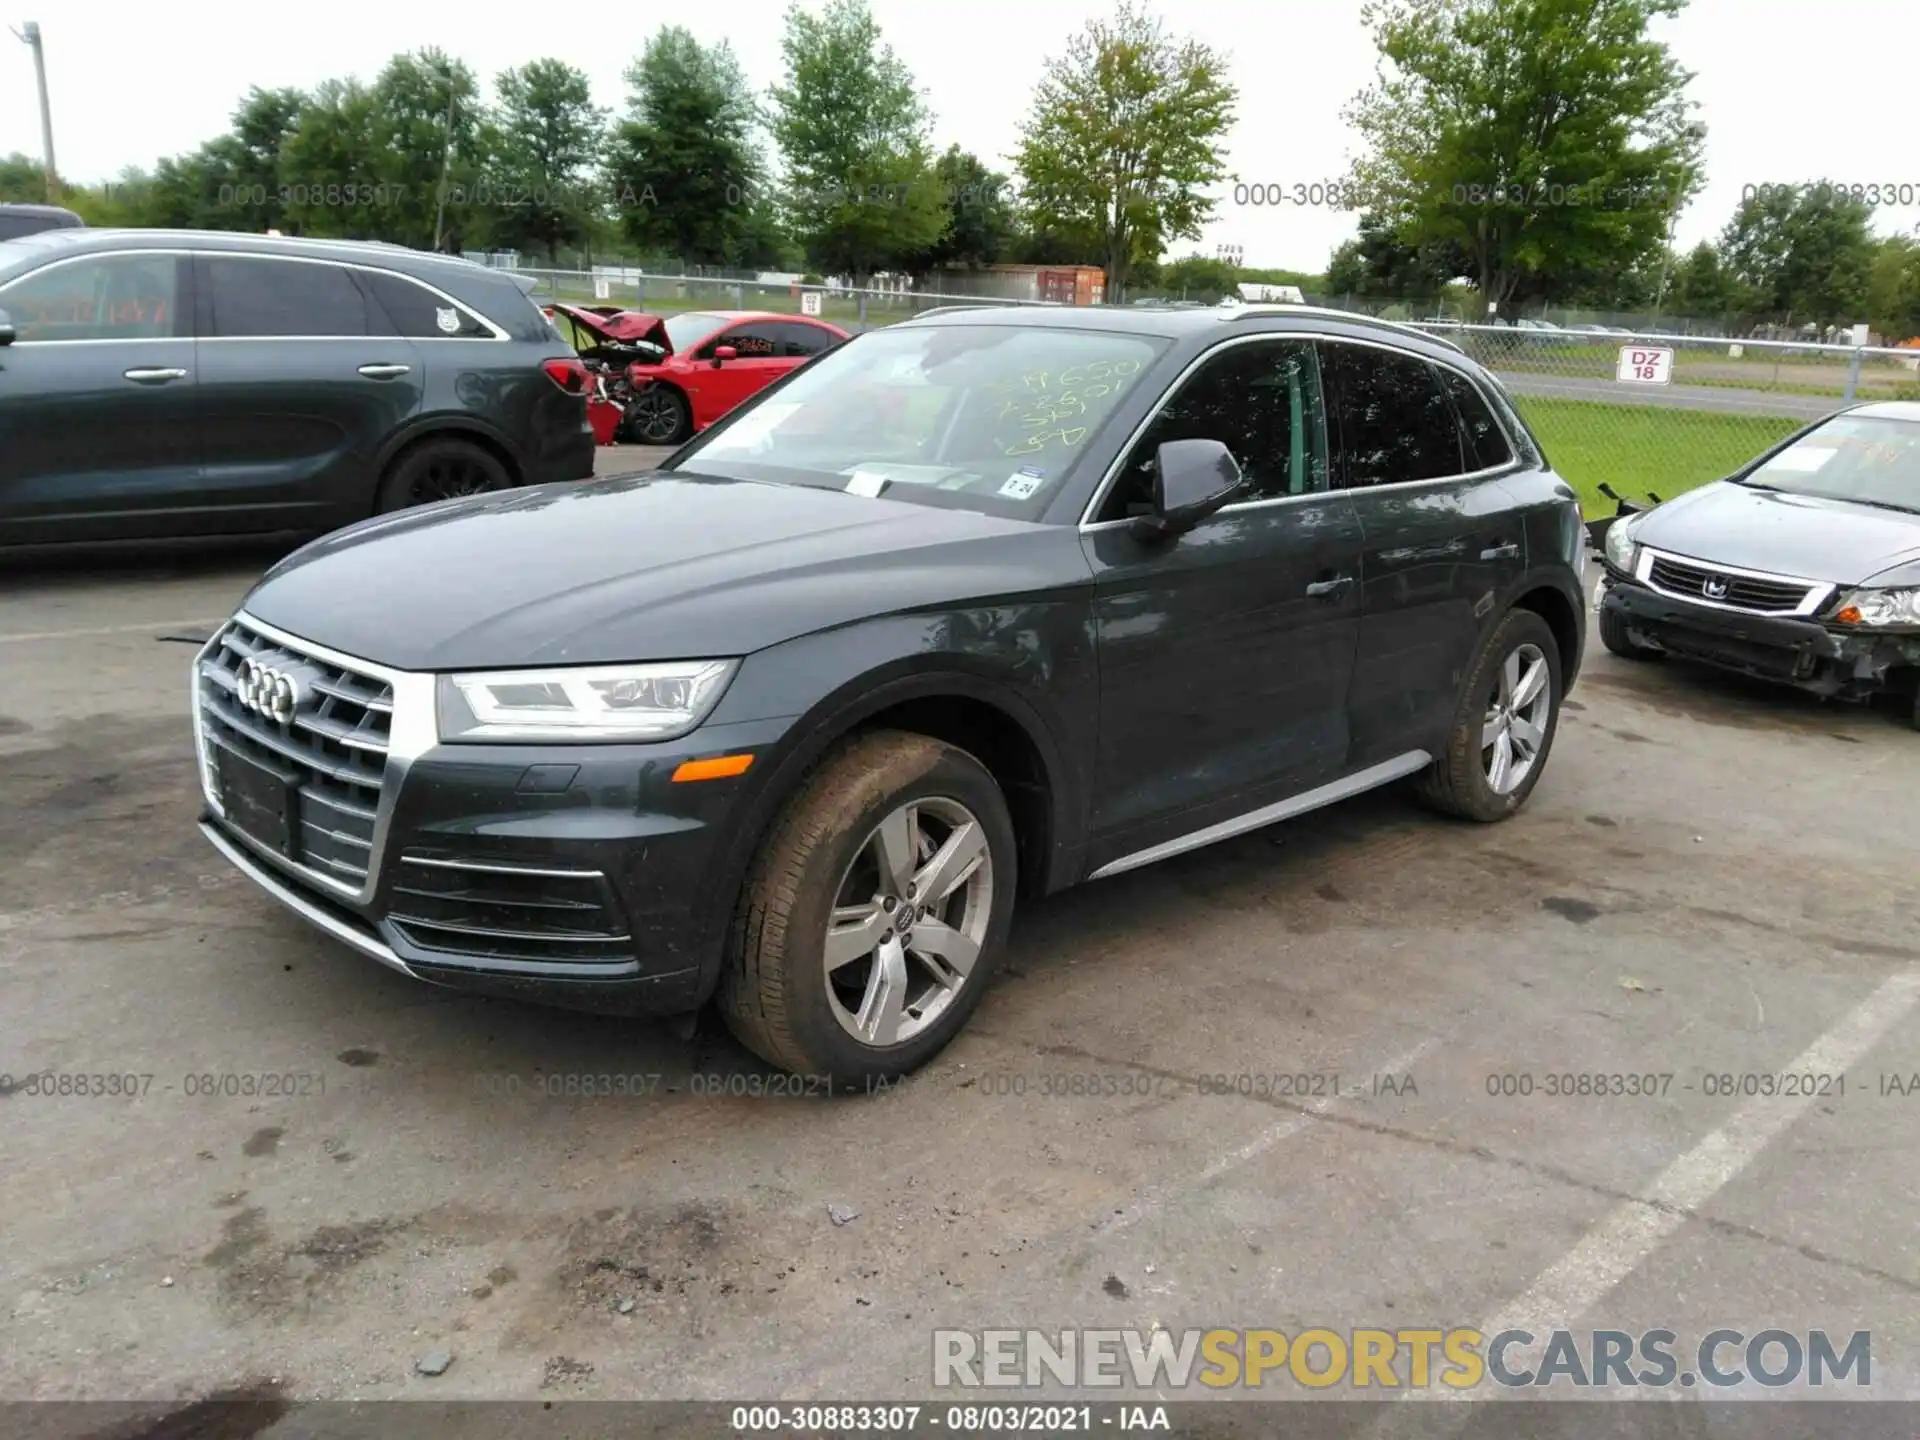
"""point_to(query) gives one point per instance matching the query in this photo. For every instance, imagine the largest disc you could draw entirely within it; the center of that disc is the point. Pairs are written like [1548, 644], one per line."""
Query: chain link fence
[1646, 413]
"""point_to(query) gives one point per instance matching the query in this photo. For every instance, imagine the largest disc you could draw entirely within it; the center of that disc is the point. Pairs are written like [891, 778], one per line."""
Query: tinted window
[1486, 444]
[752, 342]
[249, 295]
[1260, 400]
[113, 297]
[415, 311]
[1394, 421]
[802, 340]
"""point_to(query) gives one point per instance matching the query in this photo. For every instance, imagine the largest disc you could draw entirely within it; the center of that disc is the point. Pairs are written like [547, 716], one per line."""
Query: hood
[643, 567]
[1799, 535]
[619, 327]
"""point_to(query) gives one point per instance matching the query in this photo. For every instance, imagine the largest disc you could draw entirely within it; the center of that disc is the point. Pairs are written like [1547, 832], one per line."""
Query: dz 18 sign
[1645, 365]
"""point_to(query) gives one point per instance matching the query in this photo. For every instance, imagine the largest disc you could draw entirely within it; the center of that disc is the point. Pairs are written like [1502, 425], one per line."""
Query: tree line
[1515, 154]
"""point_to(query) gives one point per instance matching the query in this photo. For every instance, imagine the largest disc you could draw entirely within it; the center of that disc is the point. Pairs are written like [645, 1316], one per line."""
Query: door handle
[1322, 589]
[384, 372]
[1506, 551]
[155, 374]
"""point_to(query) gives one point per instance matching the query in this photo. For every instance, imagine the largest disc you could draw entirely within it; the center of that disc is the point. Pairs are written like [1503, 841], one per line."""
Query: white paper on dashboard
[1802, 460]
[865, 482]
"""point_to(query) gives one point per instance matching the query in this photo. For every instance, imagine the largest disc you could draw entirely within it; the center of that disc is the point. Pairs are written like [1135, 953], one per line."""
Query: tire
[440, 470]
[815, 869]
[1618, 639]
[1459, 782]
[659, 415]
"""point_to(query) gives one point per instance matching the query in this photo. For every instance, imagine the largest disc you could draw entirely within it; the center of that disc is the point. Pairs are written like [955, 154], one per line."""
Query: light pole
[30, 35]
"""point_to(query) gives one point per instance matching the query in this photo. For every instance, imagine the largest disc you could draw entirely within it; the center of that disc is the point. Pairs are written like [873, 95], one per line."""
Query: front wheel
[659, 415]
[1504, 726]
[874, 914]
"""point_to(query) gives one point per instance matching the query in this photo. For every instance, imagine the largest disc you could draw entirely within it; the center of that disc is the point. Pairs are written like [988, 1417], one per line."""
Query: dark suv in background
[160, 384]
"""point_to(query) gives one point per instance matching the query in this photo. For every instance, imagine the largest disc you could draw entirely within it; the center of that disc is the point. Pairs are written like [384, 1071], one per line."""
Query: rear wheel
[874, 913]
[440, 470]
[1503, 729]
[659, 415]
[1618, 639]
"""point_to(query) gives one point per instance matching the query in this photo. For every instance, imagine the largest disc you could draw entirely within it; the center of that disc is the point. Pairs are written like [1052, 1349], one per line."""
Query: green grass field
[1641, 448]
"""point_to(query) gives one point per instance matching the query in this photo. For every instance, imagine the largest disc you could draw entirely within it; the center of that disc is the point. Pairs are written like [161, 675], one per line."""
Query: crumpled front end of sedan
[1847, 642]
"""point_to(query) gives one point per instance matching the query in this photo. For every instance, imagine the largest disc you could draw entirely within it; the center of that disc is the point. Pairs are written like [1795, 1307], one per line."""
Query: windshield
[687, 331]
[981, 417]
[1851, 457]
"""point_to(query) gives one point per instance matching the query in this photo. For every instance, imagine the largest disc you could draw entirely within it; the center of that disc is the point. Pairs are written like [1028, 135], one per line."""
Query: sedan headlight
[1620, 548]
[614, 702]
[1879, 609]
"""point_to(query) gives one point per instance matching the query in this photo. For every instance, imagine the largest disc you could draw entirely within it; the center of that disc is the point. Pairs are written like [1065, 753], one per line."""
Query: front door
[98, 437]
[1444, 540]
[759, 359]
[302, 377]
[1225, 654]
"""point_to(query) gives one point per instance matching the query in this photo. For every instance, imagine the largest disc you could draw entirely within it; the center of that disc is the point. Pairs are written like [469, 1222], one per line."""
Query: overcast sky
[1791, 90]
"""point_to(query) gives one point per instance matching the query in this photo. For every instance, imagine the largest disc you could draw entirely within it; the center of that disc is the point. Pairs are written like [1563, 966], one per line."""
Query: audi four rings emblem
[266, 691]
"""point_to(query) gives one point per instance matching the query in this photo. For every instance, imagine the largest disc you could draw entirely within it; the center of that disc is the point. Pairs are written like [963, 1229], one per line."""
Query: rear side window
[109, 297]
[259, 296]
[1394, 422]
[418, 312]
[803, 340]
[1485, 442]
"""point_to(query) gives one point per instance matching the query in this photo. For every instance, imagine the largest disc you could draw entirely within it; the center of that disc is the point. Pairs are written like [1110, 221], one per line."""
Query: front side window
[257, 297]
[107, 297]
[1861, 458]
[749, 342]
[1262, 401]
[981, 417]
[1394, 422]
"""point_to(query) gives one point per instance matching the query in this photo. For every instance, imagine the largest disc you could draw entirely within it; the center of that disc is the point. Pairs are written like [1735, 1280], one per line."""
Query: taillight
[569, 374]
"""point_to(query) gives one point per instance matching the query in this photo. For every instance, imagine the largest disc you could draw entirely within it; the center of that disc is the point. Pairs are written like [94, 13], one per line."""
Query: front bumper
[566, 874]
[1798, 652]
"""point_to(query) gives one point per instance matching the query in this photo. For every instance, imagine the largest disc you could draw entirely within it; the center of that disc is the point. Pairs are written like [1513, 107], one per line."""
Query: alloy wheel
[908, 921]
[450, 477]
[1514, 730]
[656, 416]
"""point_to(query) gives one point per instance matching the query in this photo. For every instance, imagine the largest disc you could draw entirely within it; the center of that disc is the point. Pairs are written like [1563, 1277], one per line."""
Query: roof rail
[1238, 312]
[985, 304]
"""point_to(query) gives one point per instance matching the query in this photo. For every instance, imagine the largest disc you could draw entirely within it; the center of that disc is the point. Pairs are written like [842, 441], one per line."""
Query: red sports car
[714, 359]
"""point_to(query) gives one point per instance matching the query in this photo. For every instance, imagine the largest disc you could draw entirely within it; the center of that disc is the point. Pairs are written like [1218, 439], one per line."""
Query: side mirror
[7, 333]
[1194, 479]
[723, 353]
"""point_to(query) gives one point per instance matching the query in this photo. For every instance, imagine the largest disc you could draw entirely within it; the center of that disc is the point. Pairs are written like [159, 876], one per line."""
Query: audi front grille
[321, 725]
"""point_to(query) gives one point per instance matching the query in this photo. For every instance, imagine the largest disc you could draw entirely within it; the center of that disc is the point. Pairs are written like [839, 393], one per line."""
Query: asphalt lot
[1711, 879]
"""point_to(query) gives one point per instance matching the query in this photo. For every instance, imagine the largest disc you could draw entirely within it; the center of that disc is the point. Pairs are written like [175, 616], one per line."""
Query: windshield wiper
[1761, 485]
[1879, 504]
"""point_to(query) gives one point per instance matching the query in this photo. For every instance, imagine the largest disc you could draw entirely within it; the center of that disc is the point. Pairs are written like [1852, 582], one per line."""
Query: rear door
[715, 386]
[1443, 539]
[98, 437]
[302, 377]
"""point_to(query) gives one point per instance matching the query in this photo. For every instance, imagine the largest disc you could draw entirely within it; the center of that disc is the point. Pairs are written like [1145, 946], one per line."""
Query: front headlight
[1879, 609]
[1620, 549]
[612, 702]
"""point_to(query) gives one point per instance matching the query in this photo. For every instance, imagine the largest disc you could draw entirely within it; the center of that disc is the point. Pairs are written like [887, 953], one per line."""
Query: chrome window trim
[413, 732]
[1113, 470]
[1818, 592]
[497, 333]
[496, 336]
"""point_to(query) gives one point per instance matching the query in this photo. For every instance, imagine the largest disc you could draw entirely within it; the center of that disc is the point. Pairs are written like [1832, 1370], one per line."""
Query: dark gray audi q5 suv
[988, 603]
[160, 384]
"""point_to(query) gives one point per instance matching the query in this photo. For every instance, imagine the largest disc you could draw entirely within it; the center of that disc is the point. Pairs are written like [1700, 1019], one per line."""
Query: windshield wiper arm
[1880, 504]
